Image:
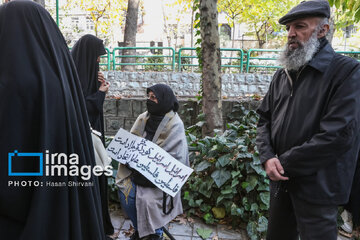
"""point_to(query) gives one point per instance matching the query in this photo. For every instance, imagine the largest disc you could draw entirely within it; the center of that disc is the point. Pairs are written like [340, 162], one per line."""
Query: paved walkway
[186, 231]
[180, 231]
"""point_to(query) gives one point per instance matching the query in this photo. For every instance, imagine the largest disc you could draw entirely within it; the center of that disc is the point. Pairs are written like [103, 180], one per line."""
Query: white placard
[157, 165]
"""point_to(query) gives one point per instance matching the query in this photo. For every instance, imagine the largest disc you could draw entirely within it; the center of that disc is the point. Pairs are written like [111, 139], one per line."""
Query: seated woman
[148, 207]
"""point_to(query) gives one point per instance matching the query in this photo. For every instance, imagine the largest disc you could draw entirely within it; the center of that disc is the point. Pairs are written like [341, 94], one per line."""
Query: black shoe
[135, 236]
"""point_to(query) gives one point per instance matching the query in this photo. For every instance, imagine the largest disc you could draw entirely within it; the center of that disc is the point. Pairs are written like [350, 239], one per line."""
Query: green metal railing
[249, 58]
[239, 58]
[172, 56]
[109, 60]
[351, 54]
[181, 57]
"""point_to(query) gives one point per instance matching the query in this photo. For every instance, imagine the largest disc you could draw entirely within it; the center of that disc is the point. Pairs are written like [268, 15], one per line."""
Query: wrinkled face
[152, 97]
[300, 30]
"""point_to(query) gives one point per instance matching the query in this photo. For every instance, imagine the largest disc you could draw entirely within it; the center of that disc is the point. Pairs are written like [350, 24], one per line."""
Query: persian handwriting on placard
[165, 171]
[146, 168]
[142, 149]
[112, 149]
[164, 184]
[175, 172]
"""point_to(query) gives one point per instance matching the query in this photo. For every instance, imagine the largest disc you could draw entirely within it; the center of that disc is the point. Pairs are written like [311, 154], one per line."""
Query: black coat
[85, 53]
[313, 127]
[42, 108]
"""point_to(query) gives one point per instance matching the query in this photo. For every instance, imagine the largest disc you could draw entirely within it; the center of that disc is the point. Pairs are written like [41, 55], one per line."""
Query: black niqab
[166, 102]
[42, 108]
[85, 53]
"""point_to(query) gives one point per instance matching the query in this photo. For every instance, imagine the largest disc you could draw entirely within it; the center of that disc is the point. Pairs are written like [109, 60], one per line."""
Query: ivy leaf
[197, 15]
[258, 169]
[226, 191]
[198, 202]
[251, 229]
[236, 211]
[202, 166]
[253, 181]
[209, 219]
[192, 137]
[244, 185]
[265, 198]
[234, 183]
[234, 174]
[186, 195]
[254, 207]
[220, 176]
[204, 233]
[224, 160]
[218, 200]
[262, 224]
[218, 212]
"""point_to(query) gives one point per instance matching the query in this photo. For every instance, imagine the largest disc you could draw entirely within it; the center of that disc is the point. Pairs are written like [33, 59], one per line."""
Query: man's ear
[323, 31]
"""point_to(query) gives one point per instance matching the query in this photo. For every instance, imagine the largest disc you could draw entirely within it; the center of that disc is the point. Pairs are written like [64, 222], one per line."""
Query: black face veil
[42, 108]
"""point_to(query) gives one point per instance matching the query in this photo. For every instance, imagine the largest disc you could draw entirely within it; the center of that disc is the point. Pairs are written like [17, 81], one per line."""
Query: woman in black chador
[86, 54]
[42, 110]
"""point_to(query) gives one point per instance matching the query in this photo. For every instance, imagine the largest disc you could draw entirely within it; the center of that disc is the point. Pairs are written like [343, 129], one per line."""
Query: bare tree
[211, 80]
[130, 34]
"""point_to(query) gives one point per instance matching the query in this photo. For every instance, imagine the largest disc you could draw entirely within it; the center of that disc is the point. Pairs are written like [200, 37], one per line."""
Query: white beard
[294, 59]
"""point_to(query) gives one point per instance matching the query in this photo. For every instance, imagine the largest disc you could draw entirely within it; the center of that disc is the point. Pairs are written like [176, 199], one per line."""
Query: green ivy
[228, 176]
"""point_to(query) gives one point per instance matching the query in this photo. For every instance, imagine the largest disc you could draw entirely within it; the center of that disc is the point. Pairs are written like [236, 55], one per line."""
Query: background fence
[160, 59]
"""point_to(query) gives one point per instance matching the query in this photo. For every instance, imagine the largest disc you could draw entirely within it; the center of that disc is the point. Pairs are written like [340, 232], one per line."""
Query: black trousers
[108, 227]
[291, 217]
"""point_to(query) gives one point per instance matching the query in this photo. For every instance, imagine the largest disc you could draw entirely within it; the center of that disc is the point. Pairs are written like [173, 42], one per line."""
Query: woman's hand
[104, 87]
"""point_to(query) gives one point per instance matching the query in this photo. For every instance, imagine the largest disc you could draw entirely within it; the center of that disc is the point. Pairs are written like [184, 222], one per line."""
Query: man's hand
[274, 170]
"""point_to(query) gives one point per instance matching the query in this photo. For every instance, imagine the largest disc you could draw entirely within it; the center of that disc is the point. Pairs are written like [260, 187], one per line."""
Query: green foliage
[351, 8]
[204, 233]
[228, 175]
[155, 67]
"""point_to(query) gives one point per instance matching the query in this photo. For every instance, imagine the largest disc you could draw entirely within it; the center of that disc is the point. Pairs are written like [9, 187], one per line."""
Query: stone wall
[134, 84]
[123, 112]
[127, 91]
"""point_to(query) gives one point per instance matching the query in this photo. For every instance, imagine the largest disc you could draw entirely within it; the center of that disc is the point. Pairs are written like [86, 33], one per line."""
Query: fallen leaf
[191, 220]
[204, 233]
[181, 219]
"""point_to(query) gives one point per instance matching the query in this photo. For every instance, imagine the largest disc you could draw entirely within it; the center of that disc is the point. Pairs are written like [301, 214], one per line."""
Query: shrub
[229, 184]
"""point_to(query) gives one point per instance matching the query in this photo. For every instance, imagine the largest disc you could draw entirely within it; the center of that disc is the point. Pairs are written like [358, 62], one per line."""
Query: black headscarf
[85, 53]
[166, 102]
[42, 108]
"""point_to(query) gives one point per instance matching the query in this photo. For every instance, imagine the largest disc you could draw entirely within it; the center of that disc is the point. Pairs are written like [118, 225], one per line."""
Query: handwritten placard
[157, 165]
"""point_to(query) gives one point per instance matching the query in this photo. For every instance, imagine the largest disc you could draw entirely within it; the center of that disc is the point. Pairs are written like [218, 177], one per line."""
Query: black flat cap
[315, 8]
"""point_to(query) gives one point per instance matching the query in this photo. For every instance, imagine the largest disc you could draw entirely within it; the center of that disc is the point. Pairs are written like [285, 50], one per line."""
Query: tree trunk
[232, 40]
[192, 34]
[211, 81]
[41, 2]
[130, 34]
[331, 32]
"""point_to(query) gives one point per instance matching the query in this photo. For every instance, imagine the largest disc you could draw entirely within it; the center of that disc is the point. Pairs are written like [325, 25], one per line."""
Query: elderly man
[308, 129]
